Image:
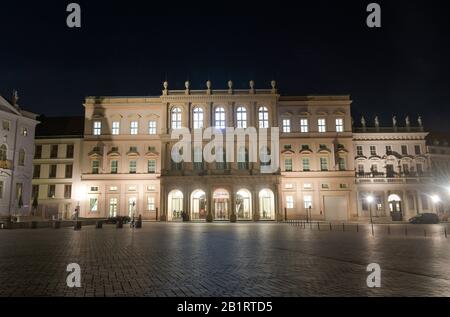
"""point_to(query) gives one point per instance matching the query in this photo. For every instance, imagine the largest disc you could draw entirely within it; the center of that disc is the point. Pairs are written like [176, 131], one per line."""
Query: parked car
[427, 218]
[114, 220]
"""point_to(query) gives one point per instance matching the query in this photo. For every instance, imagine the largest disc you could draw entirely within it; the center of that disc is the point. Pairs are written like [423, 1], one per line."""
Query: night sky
[316, 47]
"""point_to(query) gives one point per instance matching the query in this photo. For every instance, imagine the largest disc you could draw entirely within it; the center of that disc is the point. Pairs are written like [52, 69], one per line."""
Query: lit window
[133, 165]
[288, 164]
[198, 118]
[115, 127]
[263, 117]
[93, 204]
[112, 188]
[114, 166]
[323, 164]
[339, 125]
[24, 131]
[307, 186]
[97, 127]
[304, 125]
[359, 150]
[341, 162]
[289, 202]
[219, 118]
[176, 118]
[113, 202]
[307, 200]
[373, 150]
[150, 203]
[95, 166]
[134, 127]
[305, 164]
[288, 186]
[152, 127]
[241, 116]
[286, 125]
[152, 166]
[322, 125]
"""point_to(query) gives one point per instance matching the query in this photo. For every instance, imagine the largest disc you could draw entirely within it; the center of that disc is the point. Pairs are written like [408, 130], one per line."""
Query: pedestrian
[132, 224]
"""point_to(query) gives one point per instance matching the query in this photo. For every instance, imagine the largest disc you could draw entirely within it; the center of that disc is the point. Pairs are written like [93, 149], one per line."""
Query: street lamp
[370, 200]
[436, 200]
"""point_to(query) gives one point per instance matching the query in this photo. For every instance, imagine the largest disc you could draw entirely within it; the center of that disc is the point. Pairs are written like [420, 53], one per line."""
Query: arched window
[21, 157]
[241, 116]
[198, 118]
[2, 152]
[176, 118]
[263, 117]
[219, 118]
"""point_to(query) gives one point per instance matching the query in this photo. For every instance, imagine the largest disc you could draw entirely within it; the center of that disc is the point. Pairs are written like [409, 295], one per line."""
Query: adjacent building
[16, 154]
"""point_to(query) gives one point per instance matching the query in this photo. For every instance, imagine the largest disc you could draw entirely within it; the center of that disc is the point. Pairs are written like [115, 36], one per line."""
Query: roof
[438, 139]
[56, 127]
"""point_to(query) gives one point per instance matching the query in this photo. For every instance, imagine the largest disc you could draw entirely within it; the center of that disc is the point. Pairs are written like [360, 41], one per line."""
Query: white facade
[17, 129]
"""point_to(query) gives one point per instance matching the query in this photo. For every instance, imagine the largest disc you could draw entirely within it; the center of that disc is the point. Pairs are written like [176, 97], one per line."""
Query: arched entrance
[243, 205]
[175, 205]
[395, 203]
[221, 199]
[266, 205]
[198, 205]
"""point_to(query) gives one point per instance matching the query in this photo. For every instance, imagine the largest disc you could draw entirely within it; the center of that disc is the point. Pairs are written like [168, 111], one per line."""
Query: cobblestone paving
[199, 259]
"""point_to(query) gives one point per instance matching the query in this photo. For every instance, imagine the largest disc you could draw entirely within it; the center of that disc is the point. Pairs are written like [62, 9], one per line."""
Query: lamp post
[370, 200]
[436, 200]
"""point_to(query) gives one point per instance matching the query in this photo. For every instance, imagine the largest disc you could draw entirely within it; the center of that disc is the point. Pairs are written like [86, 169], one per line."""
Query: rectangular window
[307, 186]
[419, 169]
[51, 191]
[287, 147]
[288, 186]
[95, 167]
[404, 150]
[1, 189]
[54, 151]
[38, 152]
[373, 150]
[288, 164]
[93, 204]
[307, 200]
[52, 171]
[94, 189]
[116, 128]
[152, 166]
[152, 127]
[67, 191]
[34, 191]
[151, 203]
[69, 151]
[360, 169]
[323, 164]
[133, 165]
[339, 125]
[24, 131]
[374, 169]
[417, 150]
[134, 127]
[341, 162]
[19, 188]
[69, 171]
[286, 125]
[97, 127]
[325, 186]
[322, 125]
[113, 203]
[5, 125]
[289, 202]
[36, 171]
[359, 150]
[114, 166]
[305, 164]
[343, 186]
[390, 170]
[406, 169]
[388, 150]
[113, 188]
[304, 125]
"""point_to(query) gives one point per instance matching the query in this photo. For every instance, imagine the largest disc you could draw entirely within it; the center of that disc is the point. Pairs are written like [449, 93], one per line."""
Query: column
[255, 204]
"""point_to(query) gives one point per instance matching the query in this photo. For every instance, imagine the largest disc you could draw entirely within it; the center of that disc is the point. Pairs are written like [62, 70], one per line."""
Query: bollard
[445, 233]
[331, 228]
[77, 225]
[357, 227]
[343, 227]
[318, 226]
[99, 224]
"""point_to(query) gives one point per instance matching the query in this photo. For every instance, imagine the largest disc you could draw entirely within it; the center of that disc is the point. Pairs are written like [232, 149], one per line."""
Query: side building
[56, 166]
[16, 153]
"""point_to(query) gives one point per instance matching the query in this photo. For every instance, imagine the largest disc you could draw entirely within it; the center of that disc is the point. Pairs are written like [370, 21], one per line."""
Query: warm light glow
[80, 193]
[370, 199]
[435, 199]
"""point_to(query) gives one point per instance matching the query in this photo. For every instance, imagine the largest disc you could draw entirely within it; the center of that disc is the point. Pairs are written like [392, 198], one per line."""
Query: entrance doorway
[243, 205]
[221, 199]
[266, 205]
[198, 205]
[175, 205]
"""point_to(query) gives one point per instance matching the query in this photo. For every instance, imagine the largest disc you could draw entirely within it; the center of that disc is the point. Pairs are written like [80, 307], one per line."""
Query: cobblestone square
[220, 259]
